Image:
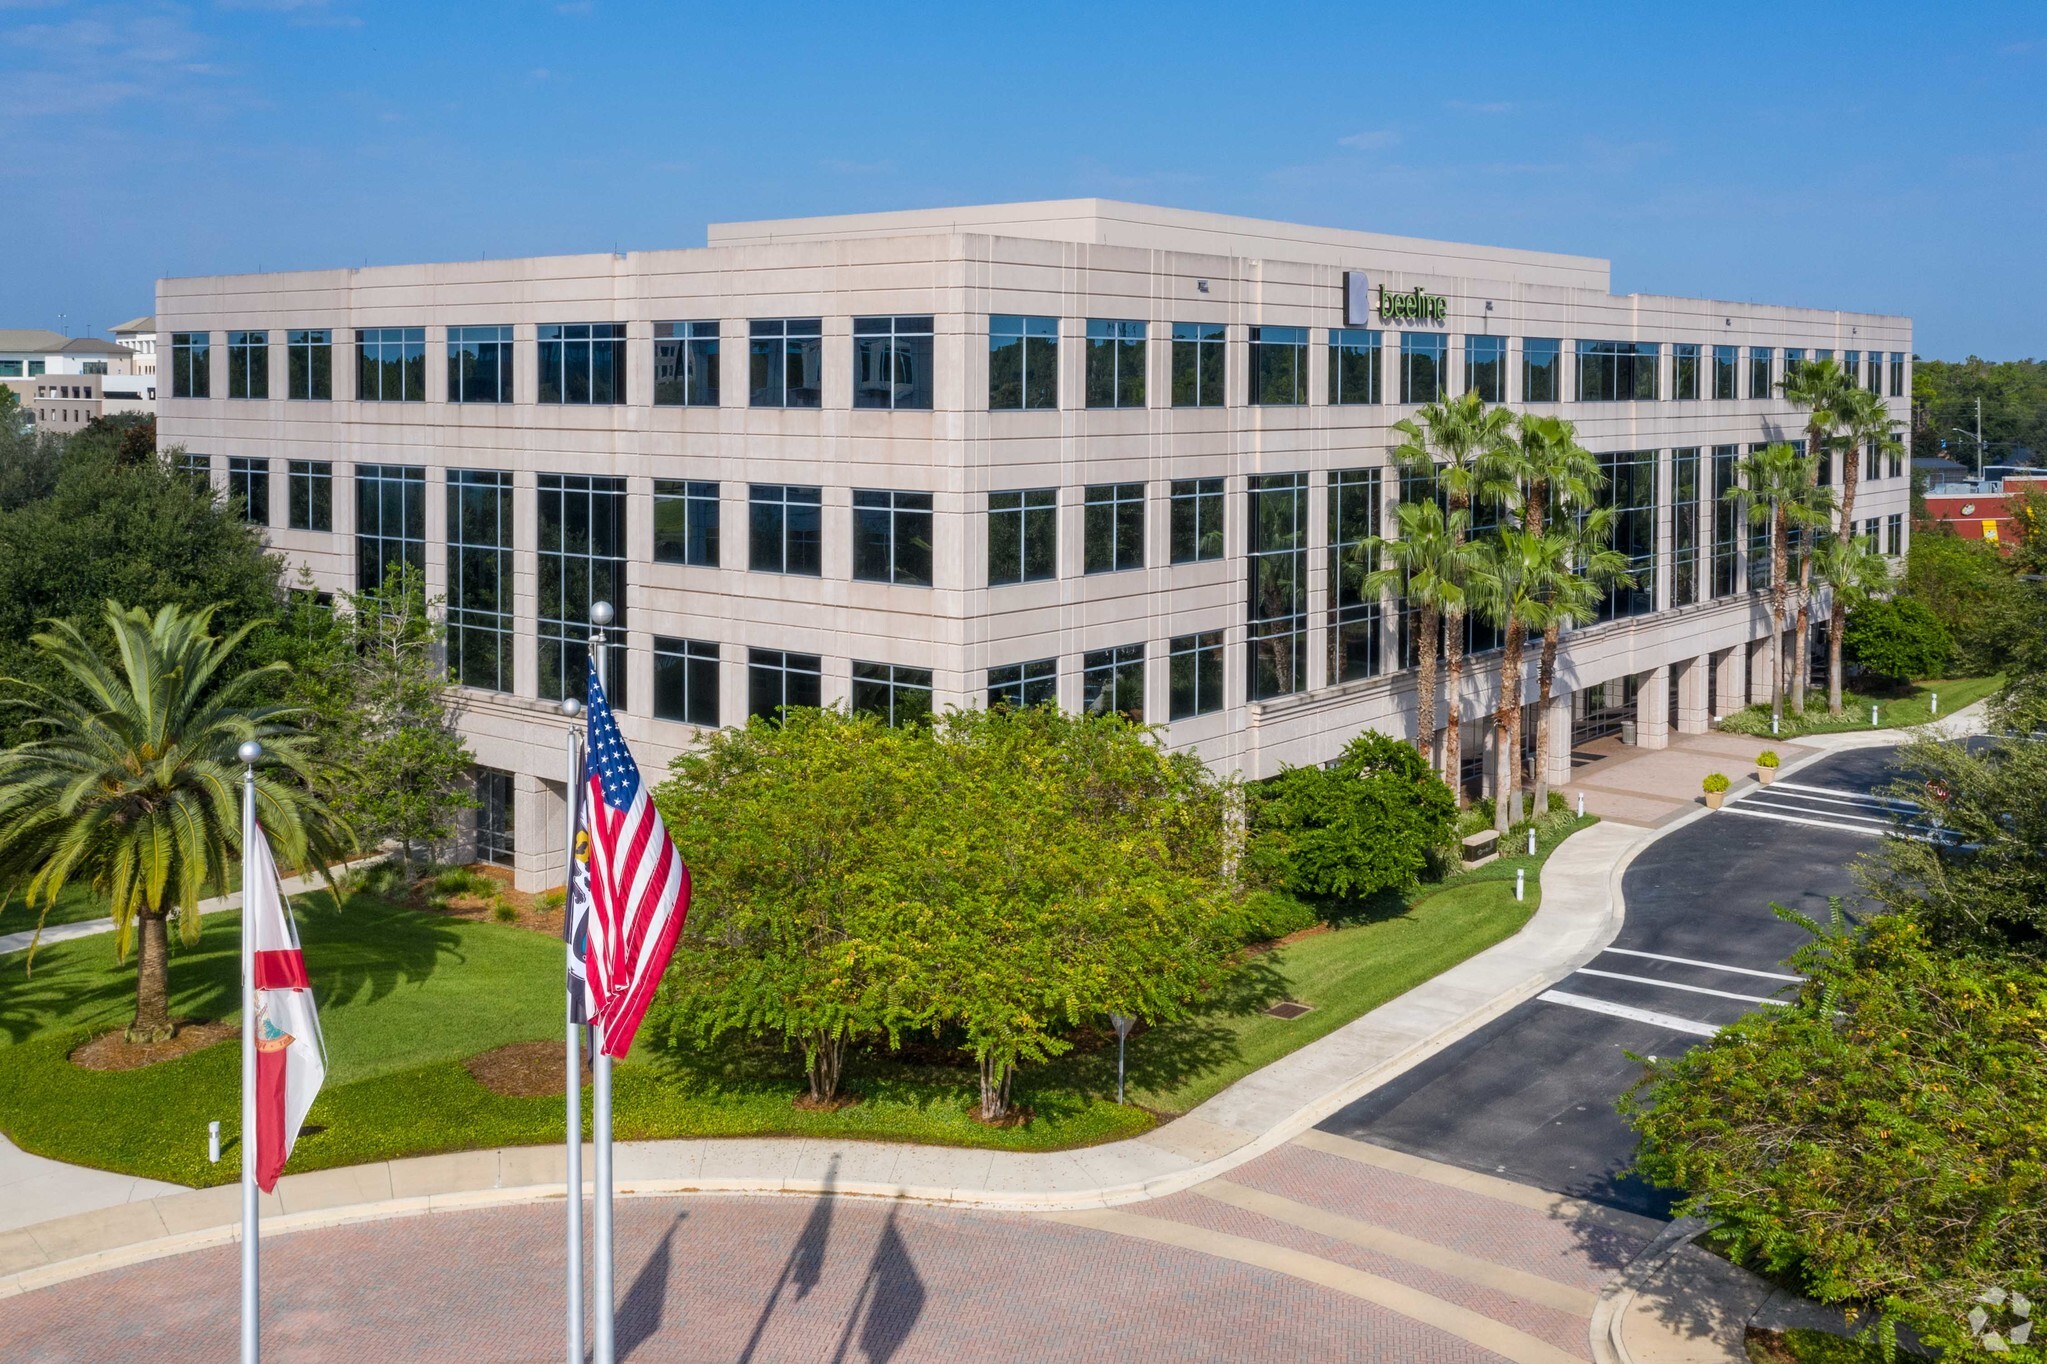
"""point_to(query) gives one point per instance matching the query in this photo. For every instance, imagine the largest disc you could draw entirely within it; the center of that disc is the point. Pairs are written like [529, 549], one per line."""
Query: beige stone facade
[1070, 261]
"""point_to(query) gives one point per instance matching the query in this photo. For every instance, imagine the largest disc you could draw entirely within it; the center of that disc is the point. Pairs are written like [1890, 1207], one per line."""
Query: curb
[1609, 1346]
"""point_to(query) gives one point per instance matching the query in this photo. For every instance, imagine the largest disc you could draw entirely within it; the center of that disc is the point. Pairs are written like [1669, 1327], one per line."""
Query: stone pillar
[1559, 756]
[1730, 681]
[540, 812]
[1759, 670]
[1652, 709]
[1692, 677]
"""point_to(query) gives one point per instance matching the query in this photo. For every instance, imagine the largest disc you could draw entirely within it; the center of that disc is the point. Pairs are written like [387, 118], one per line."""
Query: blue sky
[1870, 155]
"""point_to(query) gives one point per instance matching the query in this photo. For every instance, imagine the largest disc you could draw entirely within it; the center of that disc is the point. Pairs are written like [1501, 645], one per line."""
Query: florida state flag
[291, 1060]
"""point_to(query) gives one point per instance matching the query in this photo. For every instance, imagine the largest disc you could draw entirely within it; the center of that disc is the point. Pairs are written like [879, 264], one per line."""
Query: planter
[1766, 775]
[1713, 799]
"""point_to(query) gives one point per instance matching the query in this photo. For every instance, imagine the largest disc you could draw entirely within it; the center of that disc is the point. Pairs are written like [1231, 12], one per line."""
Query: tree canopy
[1363, 825]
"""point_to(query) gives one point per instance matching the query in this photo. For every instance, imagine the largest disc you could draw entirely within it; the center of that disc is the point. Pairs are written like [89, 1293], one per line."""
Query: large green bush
[1363, 825]
[1898, 638]
[1884, 1140]
[1968, 586]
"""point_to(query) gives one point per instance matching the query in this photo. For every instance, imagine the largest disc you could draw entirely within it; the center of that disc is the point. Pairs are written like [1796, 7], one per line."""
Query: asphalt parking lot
[1530, 1097]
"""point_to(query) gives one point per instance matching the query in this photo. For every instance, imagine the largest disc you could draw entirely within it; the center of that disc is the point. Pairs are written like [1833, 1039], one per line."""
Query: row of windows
[584, 364]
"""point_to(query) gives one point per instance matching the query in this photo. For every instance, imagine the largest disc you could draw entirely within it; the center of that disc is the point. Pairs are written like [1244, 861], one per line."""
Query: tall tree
[1423, 566]
[130, 782]
[1513, 573]
[1775, 481]
[1461, 446]
[1821, 387]
[1584, 541]
[1808, 518]
[1854, 573]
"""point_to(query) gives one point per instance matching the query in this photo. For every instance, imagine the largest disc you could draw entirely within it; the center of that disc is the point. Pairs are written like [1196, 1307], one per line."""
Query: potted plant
[1715, 787]
[1766, 766]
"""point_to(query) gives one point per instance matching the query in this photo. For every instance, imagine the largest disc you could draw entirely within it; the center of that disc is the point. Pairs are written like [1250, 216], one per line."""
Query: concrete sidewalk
[1580, 912]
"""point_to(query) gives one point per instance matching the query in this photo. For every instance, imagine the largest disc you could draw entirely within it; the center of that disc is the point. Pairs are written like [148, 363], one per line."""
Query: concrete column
[1730, 680]
[1692, 677]
[539, 823]
[1652, 709]
[1558, 758]
[1759, 670]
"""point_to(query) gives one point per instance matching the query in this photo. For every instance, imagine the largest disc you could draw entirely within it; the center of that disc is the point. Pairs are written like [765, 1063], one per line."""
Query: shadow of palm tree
[640, 1315]
[368, 949]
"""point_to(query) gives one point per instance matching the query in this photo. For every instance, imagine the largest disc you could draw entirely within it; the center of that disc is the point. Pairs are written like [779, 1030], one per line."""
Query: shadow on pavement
[639, 1316]
[891, 1299]
[804, 1269]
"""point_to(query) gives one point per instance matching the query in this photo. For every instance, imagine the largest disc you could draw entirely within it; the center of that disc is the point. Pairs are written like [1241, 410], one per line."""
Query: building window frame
[1424, 367]
[686, 522]
[309, 495]
[191, 365]
[686, 353]
[1112, 527]
[1542, 369]
[1024, 685]
[248, 482]
[582, 559]
[480, 364]
[1116, 353]
[779, 680]
[309, 364]
[785, 362]
[686, 681]
[1356, 366]
[390, 364]
[1023, 536]
[496, 807]
[1684, 525]
[248, 364]
[1276, 583]
[1196, 515]
[1684, 371]
[892, 532]
[1278, 366]
[1485, 367]
[582, 364]
[1112, 682]
[1761, 361]
[480, 624]
[1618, 371]
[390, 521]
[892, 362]
[896, 694]
[1194, 665]
[1200, 364]
[785, 529]
[1355, 509]
[1023, 363]
[1630, 489]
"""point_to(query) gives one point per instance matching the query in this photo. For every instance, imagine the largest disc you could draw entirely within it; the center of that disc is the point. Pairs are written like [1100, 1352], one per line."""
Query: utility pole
[1979, 440]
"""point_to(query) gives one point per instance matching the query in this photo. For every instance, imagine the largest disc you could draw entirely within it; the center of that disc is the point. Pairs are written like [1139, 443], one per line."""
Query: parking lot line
[1677, 985]
[1710, 965]
[1600, 1006]
[1740, 809]
[1835, 792]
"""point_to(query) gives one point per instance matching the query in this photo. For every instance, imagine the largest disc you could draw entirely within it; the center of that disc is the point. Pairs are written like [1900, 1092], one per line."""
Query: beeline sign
[1416, 305]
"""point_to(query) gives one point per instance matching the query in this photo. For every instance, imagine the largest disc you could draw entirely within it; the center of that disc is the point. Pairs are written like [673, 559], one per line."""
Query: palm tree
[1855, 573]
[1512, 574]
[1820, 387]
[1549, 467]
[134, 784]
[1775, 481]
[1462, 446]
[1864, 421]
[1811, 514]
[1584, 544]
[1426, 566]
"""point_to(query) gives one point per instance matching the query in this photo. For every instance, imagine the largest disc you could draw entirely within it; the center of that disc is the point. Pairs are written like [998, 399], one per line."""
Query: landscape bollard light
[1872, 717]
[1936, 703]
[1581, 805]
[1122, 1026]
[213, 1142]
[1531, 837]
[1520, 882]
[1773, 724]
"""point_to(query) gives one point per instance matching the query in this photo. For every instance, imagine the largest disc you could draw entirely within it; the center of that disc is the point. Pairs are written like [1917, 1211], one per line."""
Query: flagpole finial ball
[600, 614]
[249, 752]
[570, 707]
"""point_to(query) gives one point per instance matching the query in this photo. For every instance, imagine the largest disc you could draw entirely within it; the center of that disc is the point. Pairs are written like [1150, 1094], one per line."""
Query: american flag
[639, 887]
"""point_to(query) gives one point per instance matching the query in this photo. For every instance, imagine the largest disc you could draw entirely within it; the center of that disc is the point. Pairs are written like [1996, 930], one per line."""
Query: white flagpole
[602, 1351]
[574, 1085]
[252, 1334]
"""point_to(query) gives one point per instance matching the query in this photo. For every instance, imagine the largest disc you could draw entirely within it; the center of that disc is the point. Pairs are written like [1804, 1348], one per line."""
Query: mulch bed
[524, 1070]
[528, 912]
[843, 1099]
[113, 1051]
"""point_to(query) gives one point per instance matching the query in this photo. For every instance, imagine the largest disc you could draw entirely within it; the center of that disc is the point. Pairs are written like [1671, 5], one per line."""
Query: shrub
[461, 881]
[1767, 758]
[553, 899]
[1715, 781]
[1268, 914]
[1899, 639]
[1363, 825]
[1880, 1140]
[503, 910]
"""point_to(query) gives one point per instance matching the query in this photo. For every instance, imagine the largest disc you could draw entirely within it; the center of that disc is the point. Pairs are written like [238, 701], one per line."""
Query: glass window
[1112, 527]
[785, 530]
[1896, 461]
[1485, 367]
[1195, 667]
[785, 362]
[1196, 534]
[1759, 359]
[1851, 365]
[686, 522]
[1354, 373]
[1278, 584]
[1023, 362]
[196, 467]
[1423, 356]
[10, 369]
[1897, 374]
[248, 364]
[1353, 612]
[1684, 371]
[480, 578]
[1279, 366]
[309, 495]
[1542, 369]
[1726, 363]
[1630, 489]
[1112, 682]
[686, 681]
[495, 841]
[390, 520]
[900, 696]
[582, 364]
[1199, 350]
[1023, 685]
[685, 364]
[1872, 462]
[248, 483]
[390, 365]
[309, 364]
[1115, 363]
[1759, 564]
[776, 681]
[1793, 358]
[892, 537]
[582, 560]
[892, 362]
[479, 364]
[1617, 371]
[1894, 534]
[191, 365]
[1023, 536]
[1684, 526]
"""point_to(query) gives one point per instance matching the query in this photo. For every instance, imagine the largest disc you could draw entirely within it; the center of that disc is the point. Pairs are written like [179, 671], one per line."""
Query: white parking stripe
[1803, 801]
[1600, 1006]
[1709, 965]
[1738, 809]
[1677, 985]
[1750, 800]
[1862, 796]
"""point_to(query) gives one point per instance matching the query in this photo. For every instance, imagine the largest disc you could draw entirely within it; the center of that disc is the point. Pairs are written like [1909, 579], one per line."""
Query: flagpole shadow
[890, 1303]
[804, 1269]
[640, 1315]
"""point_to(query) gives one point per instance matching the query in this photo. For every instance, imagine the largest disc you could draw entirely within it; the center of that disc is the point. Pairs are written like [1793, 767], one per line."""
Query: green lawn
[1893, 712]
[74, 904]
[405, 997]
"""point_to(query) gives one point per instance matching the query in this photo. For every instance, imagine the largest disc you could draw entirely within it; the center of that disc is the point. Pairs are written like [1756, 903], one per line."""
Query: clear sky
[1873, 155]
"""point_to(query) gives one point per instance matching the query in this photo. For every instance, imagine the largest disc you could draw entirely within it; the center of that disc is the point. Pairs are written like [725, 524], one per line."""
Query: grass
[1913, 706]
[406, 996]
[1801, 1345]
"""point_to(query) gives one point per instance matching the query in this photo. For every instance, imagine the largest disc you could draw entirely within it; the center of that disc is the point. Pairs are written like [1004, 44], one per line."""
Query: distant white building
[138, 334]
[65, 382]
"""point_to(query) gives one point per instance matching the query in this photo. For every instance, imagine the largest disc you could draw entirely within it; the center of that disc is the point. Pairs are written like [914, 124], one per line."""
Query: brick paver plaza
[1321, 1249]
